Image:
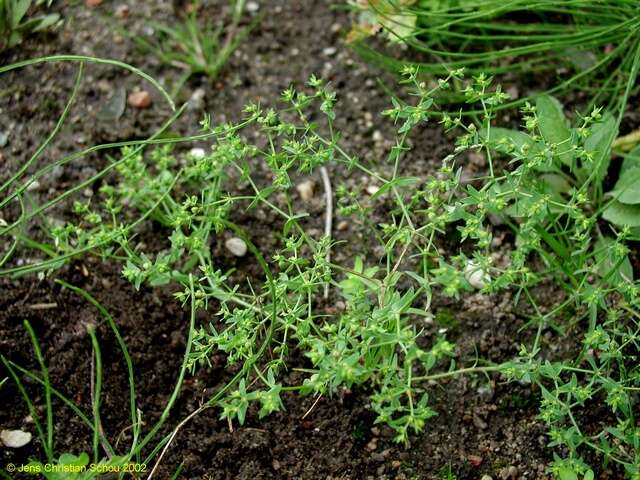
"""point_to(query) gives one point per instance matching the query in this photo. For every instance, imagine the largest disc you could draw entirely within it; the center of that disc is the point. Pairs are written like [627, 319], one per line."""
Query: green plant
[15, 22]
[195, 48]
[376, 343]
[447, 473]
[371, 343]
[594, 42]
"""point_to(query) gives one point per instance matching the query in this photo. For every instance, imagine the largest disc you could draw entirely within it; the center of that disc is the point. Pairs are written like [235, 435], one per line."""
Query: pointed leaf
[599, 143]
[606, 262]
[553, 127]
[18, 10]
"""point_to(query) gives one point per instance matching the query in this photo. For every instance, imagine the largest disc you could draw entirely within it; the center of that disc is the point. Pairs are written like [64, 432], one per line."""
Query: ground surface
[483, 426]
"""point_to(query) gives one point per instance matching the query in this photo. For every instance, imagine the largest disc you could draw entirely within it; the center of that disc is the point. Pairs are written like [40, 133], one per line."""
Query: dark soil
[483, 426]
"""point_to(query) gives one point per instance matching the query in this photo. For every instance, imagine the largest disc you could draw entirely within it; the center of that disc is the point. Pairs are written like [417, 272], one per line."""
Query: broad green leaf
[599, 143]
[553, 127]
[627, 188]
[621, 214]
[631, 160]
[555, 183]
[606, 262]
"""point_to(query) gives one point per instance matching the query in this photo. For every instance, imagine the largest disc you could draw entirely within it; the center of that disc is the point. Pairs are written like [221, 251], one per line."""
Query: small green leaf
[46, 21]
[501, 138]
[398, 182]
[77, 461]
[566, 473]
[553, 127]
[555, 183]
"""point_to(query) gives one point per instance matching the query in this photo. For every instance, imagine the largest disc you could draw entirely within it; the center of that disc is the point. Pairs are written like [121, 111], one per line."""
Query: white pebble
[35, 185]
[15, 438]
[197, 153]
[236, 246]
[372, 189]
[252, 7]
[305, 189]
[329, 51]
[476, 277]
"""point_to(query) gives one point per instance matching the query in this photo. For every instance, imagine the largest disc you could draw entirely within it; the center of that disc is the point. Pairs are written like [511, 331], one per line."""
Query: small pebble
[92, 3]
[139, 99]
[509, 473]
[197, 153]
[236, 246]
[329, 51]
[122, 11]
[486, 477]
[252, 7]
[305, 189]
[377, 136]
[35, 185]
[476, 277]
[343, 225]
[372, 189]
[513, 92]
[14, 438]
[477, 158]
[479, 422]
[474, 460]
[4, 139]
[372, 445]
[196, 102]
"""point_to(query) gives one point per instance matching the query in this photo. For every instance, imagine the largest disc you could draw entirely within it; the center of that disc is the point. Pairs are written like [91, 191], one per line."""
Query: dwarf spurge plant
[372, 342]
[552, 197]
[543, 183]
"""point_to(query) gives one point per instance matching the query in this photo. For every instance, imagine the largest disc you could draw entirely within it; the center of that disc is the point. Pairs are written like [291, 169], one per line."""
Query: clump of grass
[196, 47]
[16, 21]
[586, 46]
